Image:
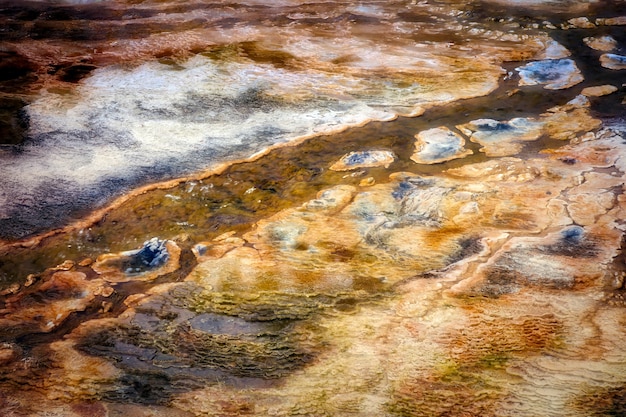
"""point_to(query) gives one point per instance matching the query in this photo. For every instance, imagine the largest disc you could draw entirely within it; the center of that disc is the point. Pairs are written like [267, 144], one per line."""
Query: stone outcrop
[502, 138]
[156, 257]
[556, 74]
[598, 91]
[603, 43]
[438, 145]
[364, 159]
[613, 61]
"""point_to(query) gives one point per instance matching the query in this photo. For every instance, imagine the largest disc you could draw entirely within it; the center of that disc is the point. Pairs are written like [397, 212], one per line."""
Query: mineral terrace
[290, 208]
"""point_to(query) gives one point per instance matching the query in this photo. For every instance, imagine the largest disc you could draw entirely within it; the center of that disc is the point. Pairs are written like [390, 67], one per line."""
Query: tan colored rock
[8, 353]
[581, 22]
[11, 289]
[568, 121]
[598, 91]
[506, 138]
[613, 61]
[86, 262]
[578, 102]
[47, 304]
[603, 43]
[599, 153]
[64, 266]
[612, 21]
[552, 50]
[565, 259]
[321, 247]
[593, 198]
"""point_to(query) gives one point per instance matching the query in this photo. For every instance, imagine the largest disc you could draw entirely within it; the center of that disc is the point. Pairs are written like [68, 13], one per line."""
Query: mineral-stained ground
[290, 208]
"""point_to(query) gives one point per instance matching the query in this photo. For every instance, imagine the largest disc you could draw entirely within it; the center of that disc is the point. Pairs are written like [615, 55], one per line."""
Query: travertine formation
[613, 61]
[479, 273]
[602, 43]
[553, 74]
[502, 138]
[464, 262]
[598, 91]
[364, 159]
[437, 145]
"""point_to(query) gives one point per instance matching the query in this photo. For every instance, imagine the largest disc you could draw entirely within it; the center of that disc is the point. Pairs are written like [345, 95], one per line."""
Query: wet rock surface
[156, 257]
[554, 74]
[603, 43]
[366, 159]
[613, 61]
[464, 262]
[597, 91]
[502, 138]
[438, 145]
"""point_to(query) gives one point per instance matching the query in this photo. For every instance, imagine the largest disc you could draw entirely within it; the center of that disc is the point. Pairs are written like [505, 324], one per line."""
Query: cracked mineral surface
[288, 208]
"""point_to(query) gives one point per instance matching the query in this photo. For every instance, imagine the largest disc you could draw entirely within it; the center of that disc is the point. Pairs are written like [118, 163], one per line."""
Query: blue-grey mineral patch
[437, 145]
[364, 159]
[613, 61]
[553, 74]
[153, 254]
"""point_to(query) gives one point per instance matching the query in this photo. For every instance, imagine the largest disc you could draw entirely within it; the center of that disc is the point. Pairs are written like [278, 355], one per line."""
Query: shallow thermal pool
[323, 209]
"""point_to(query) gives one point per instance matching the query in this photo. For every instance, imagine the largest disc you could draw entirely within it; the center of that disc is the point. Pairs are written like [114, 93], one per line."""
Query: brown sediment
[466, 379]
[46, 305]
